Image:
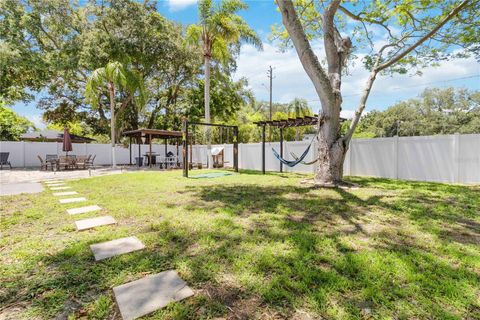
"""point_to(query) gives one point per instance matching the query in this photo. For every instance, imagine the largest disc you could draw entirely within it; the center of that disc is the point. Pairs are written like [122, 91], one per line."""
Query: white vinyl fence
[450, 158]
[24, 153]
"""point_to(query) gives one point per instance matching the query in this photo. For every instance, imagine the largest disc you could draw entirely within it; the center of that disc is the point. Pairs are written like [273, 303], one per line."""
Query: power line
[413, 86]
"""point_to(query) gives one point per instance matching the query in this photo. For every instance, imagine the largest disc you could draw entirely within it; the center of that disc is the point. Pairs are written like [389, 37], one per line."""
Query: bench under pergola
[144, 135]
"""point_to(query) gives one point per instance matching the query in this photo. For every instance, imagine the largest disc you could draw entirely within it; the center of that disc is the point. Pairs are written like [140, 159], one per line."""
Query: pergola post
[235, 148]
[185, 146]
[281, 148]
[139, 149]
[177, 164]
[263, 149]
[150, 151]
[166, 151]
[130, 149]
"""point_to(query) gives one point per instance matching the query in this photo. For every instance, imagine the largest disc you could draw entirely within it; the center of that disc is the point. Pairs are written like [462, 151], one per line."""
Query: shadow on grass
[269, 251]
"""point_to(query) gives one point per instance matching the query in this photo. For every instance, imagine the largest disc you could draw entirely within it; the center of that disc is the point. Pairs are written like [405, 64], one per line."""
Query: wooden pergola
[149, 135]
[285, 123]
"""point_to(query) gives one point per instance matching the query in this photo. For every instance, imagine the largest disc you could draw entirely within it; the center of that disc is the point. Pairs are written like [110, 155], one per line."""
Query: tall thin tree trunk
[207, 111]
[111, 90]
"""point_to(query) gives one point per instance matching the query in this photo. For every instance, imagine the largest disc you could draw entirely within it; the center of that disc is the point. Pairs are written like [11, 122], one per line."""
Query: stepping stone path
[70, 200]
[141, 297]
[60, 188]
[94, 222]
[83, 209]
[137, 298]
[116, 247]
[66, 193]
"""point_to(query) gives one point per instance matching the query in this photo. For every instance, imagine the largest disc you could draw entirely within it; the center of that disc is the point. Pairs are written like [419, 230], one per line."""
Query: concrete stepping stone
[60, 188]
[56, 184]
[86, 224]
[71, 200]
[83, 209]
[141, 297]
[116, 247]
[54, 181]
[66, 193]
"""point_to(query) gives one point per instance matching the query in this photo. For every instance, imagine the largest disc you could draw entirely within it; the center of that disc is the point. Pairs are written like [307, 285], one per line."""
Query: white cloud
[37, 120]
[347, 114]
[290, 80]
[177, 5]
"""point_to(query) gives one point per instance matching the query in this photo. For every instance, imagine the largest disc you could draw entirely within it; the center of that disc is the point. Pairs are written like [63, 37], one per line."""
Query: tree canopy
[12, 125]
[436, 111]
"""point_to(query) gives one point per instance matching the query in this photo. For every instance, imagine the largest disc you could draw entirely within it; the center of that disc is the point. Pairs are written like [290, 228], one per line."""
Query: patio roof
[155, 133]
[52, 136]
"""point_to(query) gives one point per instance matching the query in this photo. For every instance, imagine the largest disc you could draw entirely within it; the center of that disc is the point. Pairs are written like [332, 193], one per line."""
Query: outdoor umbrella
[67, 141]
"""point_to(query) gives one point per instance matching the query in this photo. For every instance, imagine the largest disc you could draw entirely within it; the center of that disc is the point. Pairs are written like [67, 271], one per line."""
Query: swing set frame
[185, 142]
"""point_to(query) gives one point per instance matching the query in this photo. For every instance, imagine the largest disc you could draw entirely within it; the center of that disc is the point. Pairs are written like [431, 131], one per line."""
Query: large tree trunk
[207, 111]
[329, 169]
[330, 148]
[111, 90]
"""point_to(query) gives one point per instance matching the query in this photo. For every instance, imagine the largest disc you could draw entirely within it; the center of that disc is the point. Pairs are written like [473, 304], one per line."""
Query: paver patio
[116, 247]
[91, 223]
[141, 297]
[83, 209]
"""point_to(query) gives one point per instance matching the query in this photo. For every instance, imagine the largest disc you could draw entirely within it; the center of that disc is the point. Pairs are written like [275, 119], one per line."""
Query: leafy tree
[220, 30]
[12, 126]
[76, 128]
[299, 108]
[416, 34]
[114, 75]
[436, 111]
[59, 43]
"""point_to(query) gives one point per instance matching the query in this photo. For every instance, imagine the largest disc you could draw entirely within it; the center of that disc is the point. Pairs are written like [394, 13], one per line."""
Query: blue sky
[290, 79]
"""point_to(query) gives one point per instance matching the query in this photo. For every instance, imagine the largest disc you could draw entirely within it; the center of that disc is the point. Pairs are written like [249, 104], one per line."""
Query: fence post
[395, 157]
[456, 157]
[23, 152]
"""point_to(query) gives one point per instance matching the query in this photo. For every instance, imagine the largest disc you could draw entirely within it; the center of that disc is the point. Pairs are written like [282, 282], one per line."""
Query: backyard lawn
[251, 247]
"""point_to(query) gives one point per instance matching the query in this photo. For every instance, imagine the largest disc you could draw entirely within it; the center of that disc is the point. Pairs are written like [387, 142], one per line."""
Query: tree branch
[330, 41]
[427, 36]
[378, 67]
[309, 60]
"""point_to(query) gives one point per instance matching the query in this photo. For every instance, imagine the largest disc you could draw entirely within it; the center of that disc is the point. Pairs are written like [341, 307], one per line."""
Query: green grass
[251, 246]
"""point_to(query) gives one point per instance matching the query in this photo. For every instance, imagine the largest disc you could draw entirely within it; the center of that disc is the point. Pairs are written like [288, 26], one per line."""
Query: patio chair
[89, 163]
[82, 161]
[43, 164]
[52, 159]
[63, 162]
[4, 160]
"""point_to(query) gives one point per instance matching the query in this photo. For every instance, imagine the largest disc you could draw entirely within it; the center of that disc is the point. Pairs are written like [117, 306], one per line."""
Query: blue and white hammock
[292, 163]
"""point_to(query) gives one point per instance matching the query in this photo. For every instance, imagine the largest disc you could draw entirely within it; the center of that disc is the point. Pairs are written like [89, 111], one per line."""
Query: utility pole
[270, 76]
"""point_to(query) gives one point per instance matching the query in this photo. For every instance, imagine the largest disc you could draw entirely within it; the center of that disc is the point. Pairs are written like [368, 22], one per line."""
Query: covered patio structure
[147, 135]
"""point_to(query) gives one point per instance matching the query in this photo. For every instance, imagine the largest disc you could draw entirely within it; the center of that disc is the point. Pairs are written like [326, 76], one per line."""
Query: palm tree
[220, 29]
[114, 76]
[299, 107]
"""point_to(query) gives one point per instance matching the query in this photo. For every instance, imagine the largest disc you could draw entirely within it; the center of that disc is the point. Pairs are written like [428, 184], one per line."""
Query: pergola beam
[292, 122]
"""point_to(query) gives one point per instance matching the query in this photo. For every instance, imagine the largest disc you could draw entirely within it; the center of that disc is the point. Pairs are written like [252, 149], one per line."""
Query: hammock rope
[303, 162]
